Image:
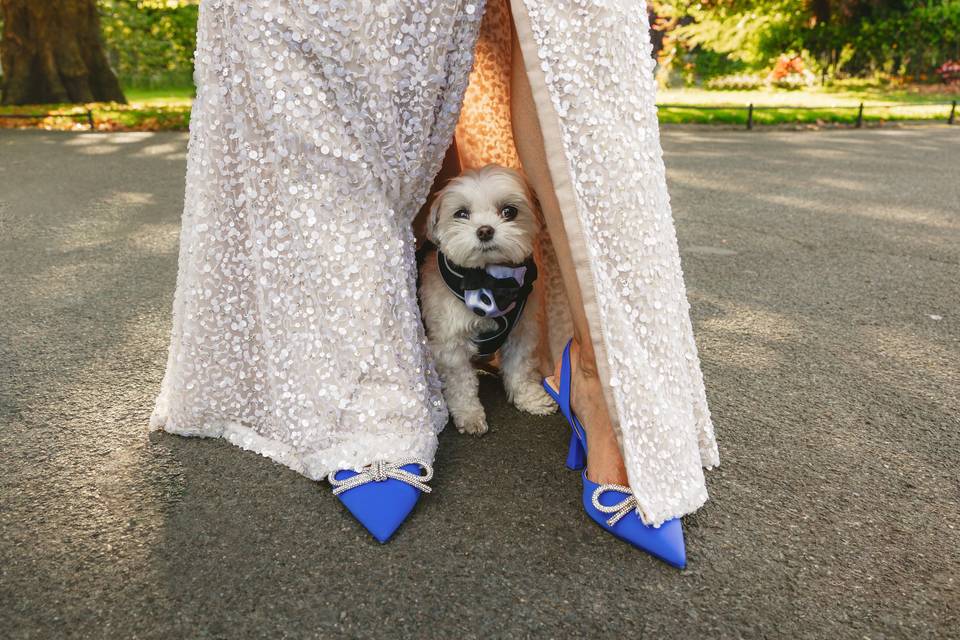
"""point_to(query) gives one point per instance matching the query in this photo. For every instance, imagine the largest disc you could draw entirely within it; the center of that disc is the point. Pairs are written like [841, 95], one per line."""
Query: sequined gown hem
[315, 465]
[316, 133]
[315, 136]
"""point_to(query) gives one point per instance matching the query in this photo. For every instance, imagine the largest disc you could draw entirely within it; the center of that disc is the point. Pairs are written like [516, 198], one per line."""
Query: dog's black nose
[485, 232]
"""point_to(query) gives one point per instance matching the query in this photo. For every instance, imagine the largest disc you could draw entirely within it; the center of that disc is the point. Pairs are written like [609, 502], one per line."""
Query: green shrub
[840, 38]
[912, 44]
[150, 42]
[710, 64]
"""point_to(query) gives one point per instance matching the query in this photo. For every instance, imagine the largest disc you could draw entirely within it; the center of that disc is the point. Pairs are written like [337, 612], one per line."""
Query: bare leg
[604, 461]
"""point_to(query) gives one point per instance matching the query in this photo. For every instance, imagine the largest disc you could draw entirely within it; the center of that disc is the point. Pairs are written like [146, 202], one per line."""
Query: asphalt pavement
[824, 276]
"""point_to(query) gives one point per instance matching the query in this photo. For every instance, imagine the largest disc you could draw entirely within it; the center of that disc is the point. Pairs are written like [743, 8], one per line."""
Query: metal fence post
[953, 112]
[860, 116]
[750, 116]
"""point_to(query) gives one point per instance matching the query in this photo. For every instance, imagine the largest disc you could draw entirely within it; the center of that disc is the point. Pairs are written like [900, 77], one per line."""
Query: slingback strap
[565, 386]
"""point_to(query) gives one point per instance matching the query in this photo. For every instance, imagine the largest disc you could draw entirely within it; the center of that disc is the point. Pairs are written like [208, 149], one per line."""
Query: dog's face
[484, 216]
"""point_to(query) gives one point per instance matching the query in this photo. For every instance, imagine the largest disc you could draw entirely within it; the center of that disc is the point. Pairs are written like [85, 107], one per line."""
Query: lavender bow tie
[492, 292]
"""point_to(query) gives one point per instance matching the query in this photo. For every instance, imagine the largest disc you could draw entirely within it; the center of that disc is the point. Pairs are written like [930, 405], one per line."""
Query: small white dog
[477, 293]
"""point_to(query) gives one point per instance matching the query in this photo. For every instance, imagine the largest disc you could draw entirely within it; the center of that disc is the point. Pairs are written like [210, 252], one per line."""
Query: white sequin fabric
[316, 132]
[595, 62]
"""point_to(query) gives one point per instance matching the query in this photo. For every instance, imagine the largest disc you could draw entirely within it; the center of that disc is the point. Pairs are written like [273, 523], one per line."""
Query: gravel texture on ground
[824, 276]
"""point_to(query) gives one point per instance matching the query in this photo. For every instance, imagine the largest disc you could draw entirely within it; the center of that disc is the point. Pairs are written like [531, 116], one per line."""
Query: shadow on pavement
[823, 276]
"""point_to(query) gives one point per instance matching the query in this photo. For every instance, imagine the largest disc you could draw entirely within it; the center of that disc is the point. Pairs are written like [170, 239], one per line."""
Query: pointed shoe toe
[381, 506]
[664, 542]
[613, 507]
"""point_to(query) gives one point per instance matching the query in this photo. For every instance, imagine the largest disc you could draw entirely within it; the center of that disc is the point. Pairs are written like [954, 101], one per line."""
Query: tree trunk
[51, 51]
[821, 10]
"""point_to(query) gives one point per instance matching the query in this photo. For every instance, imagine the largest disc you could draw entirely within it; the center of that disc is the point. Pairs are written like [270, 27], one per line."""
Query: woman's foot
[604, 460]
[608, 502]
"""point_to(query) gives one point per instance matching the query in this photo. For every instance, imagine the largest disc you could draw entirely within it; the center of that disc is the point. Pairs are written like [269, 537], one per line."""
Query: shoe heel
[576, 456]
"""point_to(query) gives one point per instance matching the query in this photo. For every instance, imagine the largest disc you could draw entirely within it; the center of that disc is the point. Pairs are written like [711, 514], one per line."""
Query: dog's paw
[531, 398]
[475, 425]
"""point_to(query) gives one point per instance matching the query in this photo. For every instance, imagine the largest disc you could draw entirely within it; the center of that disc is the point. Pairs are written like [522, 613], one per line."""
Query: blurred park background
[797, 61]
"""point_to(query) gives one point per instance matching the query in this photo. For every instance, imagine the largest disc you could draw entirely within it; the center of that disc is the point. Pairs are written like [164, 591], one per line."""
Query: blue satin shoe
[382, 494]
[613, 506]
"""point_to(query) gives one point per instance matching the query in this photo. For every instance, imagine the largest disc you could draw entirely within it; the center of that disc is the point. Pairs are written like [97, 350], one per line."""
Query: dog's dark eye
[508, 212]
[461, 213]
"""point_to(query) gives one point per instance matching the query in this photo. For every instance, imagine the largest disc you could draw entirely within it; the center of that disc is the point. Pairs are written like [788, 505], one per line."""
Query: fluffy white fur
[449, 323]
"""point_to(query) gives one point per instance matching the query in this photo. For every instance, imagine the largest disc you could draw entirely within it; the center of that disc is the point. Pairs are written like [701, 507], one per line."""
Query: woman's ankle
[605, 463]
[607, 470]
[585, 364]
[604, 459]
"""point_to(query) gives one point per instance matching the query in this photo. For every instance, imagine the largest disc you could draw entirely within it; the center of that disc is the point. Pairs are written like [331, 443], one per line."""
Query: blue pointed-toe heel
[382, 494]
[612, 506]
[576, 454]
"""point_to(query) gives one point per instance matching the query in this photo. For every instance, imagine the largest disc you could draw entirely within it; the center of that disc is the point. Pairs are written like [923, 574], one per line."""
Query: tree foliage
[151, 42]
[837, 37]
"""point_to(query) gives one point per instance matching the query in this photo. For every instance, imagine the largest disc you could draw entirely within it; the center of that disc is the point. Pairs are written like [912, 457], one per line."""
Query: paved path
[824, 274]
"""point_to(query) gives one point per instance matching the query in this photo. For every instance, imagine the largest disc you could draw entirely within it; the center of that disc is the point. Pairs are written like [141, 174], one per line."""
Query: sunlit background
[797, 61]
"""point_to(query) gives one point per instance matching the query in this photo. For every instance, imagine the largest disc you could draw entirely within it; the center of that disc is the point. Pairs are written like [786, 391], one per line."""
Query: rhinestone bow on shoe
[380, 471]
[620, 509]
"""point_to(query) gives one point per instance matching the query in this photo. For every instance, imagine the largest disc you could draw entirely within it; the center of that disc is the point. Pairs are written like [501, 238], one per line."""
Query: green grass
[172, 95]
[816, 105]
[146, 110]
[168, 109]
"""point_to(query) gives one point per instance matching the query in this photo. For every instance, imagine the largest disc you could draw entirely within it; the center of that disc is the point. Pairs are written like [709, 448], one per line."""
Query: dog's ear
[532, 199]
[434, 217]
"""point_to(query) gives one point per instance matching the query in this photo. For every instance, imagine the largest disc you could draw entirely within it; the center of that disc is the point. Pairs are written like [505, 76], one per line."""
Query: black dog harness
[498, 292]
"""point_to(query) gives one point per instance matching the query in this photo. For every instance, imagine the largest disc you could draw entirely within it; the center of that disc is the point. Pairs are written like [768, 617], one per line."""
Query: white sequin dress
[316, 133]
